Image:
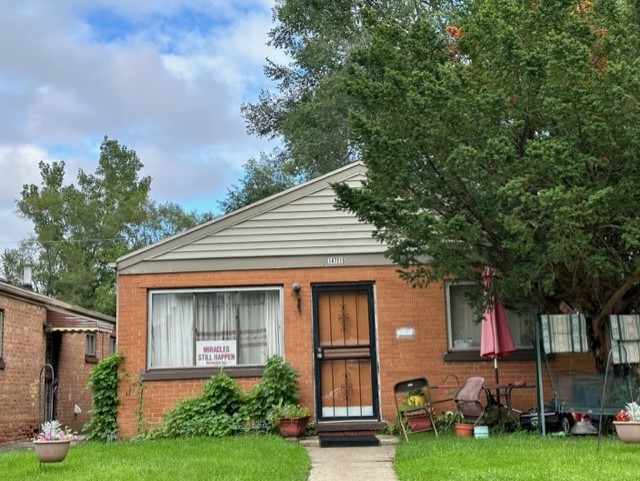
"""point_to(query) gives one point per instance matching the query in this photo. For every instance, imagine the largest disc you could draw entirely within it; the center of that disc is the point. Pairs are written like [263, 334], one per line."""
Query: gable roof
[299, 227]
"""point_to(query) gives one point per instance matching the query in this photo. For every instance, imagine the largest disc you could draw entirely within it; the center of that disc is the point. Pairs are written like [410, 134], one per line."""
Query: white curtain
[274, 331]
[216, 316]
[252, 313]
[251, 318]
[171, 334]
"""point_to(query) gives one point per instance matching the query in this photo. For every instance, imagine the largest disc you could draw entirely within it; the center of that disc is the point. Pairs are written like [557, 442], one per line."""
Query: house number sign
[336, 261]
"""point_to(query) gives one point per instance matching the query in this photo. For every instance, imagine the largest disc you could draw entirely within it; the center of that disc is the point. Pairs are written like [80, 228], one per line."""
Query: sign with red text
[216, 353]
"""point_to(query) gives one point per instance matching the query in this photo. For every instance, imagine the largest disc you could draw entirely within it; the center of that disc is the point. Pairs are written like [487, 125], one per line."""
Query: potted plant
[419, 420]
[627, 423]
[414, 398]
[52, 442]
[291, 419]
[464, 429]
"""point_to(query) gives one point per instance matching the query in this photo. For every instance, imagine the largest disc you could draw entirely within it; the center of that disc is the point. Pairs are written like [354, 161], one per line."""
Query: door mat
[348, 441]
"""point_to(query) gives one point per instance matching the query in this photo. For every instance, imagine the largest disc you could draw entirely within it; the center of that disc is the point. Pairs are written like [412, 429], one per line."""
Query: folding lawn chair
[401, 390]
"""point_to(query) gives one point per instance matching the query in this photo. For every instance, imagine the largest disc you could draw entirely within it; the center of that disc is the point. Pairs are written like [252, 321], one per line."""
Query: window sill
[90, 359]
[200, 373]
[474, 356]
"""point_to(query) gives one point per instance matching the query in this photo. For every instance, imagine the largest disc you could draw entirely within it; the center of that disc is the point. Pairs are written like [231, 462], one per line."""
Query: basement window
[214, 328]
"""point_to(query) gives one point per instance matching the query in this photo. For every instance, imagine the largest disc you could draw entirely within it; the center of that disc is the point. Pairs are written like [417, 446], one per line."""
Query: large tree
[263, 177]
[308, 110]
[80, 230]
[509, 137]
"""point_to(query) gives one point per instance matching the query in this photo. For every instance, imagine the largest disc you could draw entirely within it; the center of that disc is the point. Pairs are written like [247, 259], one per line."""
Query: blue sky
[165, 78]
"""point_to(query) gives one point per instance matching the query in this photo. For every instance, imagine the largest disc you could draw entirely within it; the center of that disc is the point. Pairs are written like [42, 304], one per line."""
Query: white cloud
[166, 79]
[19, 163]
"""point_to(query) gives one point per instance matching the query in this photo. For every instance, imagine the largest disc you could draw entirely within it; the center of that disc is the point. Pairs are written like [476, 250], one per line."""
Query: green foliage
[287, 411]
[278, 386]
[505, 135]
[222, 408]
[211, 413]
[103, 382]
[262, 178]
[80, 229]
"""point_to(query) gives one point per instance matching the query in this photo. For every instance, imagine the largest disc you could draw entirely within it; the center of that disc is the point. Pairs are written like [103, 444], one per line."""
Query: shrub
[103, 382]
[212, 413]
[222, 408]
[278, 386]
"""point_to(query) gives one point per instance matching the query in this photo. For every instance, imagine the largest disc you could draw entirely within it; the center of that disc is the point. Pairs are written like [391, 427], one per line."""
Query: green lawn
[246, 458]
[516, 457]
[508, 457]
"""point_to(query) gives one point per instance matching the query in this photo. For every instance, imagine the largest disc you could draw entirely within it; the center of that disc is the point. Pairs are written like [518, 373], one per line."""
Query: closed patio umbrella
[495, 336]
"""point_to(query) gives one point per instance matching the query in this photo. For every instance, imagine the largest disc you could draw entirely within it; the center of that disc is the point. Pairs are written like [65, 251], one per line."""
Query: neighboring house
[47, 348]
[293, 276]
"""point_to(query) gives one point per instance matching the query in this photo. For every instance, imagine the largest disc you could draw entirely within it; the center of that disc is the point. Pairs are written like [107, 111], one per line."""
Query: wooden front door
[345, 355]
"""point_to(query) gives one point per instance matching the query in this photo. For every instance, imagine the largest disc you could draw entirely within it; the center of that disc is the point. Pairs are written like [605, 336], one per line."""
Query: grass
[508, 457]
[516, 457]
[247, 458]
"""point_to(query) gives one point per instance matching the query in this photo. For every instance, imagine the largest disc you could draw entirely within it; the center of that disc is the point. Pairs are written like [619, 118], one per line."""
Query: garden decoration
[627, 423]
[52, 443]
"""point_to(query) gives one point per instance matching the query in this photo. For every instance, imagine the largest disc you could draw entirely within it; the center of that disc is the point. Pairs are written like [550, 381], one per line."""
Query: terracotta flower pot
[293, 427]
[419, 422]
[464, 429]
[51, 451]
[628, 431]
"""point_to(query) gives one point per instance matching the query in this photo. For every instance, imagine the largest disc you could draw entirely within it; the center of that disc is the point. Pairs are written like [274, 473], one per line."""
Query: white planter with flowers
[627, 423]
[52, 443]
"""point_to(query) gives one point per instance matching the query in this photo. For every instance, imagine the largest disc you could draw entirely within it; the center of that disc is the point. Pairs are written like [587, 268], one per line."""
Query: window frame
[473, 353]
[199, 372]
[90, 341]
[113, 345]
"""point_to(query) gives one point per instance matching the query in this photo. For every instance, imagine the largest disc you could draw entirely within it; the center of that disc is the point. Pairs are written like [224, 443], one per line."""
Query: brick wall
[72, 374]
[23, 356]
[24, 347]
[397, 305]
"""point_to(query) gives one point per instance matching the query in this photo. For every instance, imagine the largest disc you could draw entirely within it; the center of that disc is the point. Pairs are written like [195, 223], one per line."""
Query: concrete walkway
[349, 463]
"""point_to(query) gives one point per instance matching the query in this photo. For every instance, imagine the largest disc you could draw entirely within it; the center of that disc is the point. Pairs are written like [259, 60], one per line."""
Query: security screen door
[345, 355]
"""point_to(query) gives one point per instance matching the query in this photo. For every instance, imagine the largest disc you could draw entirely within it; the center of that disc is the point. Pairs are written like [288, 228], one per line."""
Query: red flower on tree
[455, 32]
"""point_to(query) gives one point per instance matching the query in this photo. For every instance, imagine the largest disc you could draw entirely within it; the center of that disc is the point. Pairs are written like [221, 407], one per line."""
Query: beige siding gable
[299, 227]
[309, 225]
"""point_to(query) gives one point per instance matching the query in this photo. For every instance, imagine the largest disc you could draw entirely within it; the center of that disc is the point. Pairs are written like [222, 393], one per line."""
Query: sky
[165, 78]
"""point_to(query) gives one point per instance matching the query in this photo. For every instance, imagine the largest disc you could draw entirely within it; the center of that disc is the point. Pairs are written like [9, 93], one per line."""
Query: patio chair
[411, 412]
[467, 400]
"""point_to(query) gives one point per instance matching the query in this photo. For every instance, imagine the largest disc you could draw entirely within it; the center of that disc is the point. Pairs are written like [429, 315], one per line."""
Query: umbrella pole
[495, 370]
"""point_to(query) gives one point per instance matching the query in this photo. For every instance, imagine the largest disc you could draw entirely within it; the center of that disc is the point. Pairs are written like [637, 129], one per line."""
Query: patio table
[504, 392]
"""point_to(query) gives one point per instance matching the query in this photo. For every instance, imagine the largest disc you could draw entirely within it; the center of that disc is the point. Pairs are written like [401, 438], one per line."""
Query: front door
[345, 355]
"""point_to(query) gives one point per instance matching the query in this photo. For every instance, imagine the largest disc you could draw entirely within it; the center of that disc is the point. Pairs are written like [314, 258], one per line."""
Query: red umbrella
[495, 338]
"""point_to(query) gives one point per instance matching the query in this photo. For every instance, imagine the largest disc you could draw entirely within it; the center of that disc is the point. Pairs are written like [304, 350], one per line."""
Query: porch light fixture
[295, 291]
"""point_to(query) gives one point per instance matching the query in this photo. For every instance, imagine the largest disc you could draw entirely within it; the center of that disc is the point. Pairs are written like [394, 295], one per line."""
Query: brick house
[293, 276]
[47, 348]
